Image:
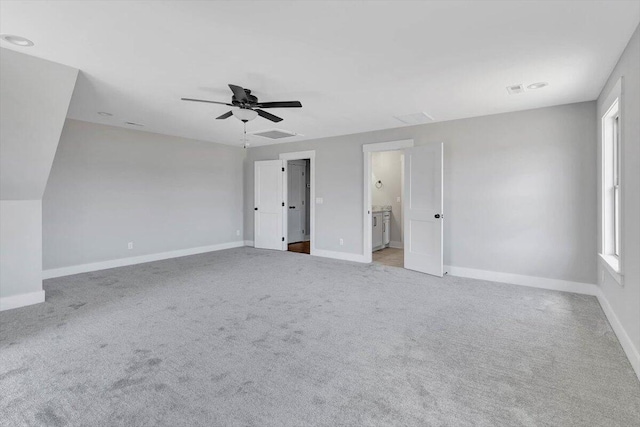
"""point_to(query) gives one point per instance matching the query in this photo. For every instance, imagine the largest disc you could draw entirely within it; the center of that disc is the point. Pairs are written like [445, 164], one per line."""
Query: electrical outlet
[130, 245]
[341, 242]
[319, 201]
[237, 232]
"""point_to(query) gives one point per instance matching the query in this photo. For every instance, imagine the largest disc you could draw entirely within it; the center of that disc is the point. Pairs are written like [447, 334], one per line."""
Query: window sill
[612, 265]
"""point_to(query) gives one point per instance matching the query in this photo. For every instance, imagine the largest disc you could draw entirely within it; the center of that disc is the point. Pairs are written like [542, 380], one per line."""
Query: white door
[296, 202]
[422, 208]
[269, 205]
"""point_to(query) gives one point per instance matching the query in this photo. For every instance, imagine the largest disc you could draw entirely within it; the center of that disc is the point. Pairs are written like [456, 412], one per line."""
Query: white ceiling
[353, 65]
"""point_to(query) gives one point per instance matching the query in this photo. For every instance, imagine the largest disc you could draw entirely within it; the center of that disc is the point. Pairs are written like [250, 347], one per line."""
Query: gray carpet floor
[246, 337]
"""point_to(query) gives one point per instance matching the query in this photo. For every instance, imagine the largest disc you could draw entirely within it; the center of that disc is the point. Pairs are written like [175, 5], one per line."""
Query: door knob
[437, 215]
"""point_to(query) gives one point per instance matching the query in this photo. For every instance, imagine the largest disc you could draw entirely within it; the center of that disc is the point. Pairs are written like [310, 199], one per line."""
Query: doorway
[271, 203]
[298, 213]
[386, 205]
[422, 206]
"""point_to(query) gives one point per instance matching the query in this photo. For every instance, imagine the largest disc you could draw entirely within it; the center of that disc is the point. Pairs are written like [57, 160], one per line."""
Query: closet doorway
[298, 205]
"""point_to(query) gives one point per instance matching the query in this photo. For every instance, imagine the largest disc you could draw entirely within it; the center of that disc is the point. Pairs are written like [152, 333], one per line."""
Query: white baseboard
[248, 243]
[517, 279]
[625, 341]
[103, 265]
[339, 255]
[16, 301]
[397, 245]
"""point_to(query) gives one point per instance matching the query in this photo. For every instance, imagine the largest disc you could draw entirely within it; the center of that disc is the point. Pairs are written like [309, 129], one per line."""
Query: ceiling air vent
[274, 133]
[515, 89]
[415, 118]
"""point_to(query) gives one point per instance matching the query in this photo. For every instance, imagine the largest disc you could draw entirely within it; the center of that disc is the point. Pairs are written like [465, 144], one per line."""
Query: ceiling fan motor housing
[252, 99]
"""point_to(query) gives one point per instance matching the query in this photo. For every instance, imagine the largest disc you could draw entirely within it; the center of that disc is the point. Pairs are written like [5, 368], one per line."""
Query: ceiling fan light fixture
[245, 114]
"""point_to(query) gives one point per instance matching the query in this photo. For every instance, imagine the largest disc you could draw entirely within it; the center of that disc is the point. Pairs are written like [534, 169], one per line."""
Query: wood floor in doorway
[300, 247]
[389, 256]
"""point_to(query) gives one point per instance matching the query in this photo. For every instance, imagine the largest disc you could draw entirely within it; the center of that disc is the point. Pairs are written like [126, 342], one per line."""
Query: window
[611, 188]
[615, 172]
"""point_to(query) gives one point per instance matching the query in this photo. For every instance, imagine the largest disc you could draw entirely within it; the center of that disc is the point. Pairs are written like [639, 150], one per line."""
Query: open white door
[269, 205]
[422, 209]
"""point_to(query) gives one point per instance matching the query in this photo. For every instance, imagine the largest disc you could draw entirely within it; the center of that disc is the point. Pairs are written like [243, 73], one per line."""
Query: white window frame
[611, 251]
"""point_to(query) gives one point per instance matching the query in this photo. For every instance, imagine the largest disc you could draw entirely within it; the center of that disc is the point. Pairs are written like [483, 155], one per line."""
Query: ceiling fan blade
[280, 104]
[239, 93]
[204, 100]
[225, 115]
[269, 116]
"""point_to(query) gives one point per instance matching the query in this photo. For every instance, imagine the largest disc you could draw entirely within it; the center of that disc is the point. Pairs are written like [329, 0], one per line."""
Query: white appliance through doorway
[422, 204]
[271, 221]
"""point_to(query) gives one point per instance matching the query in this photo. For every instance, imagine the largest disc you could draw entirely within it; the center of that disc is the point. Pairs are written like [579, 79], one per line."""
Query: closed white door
[269, 205]
[422, 208]
[296, 202]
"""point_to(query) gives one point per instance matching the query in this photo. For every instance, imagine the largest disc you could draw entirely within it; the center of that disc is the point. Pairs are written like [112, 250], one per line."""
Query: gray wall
[20, 247]
[519, 189]
[110, 186]
[387, 167]
[625, 300]
[34, 103]
[34, 99]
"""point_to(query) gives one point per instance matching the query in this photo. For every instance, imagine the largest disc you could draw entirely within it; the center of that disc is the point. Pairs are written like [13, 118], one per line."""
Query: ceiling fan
[248, 105]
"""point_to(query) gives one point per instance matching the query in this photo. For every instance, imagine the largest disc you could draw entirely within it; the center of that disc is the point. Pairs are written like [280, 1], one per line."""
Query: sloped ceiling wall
[34, 99]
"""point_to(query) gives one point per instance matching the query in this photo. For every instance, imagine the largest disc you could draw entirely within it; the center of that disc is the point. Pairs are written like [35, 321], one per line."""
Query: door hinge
[283, 239]
[282, 169]
[282, 203]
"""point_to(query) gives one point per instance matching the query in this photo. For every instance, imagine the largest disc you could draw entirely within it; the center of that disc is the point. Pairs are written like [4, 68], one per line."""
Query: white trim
[396, 245]
[121, 262]
[388, 146]
[22, 300]
[609, 263]
[518, 279]
[627, 345]
[302, 155]
[345, 256]
[614, 99]
[367, 149]
[298, 155]
[249, 243]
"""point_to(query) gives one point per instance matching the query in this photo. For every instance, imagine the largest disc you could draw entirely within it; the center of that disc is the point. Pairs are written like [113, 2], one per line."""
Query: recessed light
[133, 124]
[104, 113]
[538, 85]
[17, 40]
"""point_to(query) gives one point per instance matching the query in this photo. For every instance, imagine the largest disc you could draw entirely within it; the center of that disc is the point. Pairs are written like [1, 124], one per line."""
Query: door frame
[367, 149]
[301, 155]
